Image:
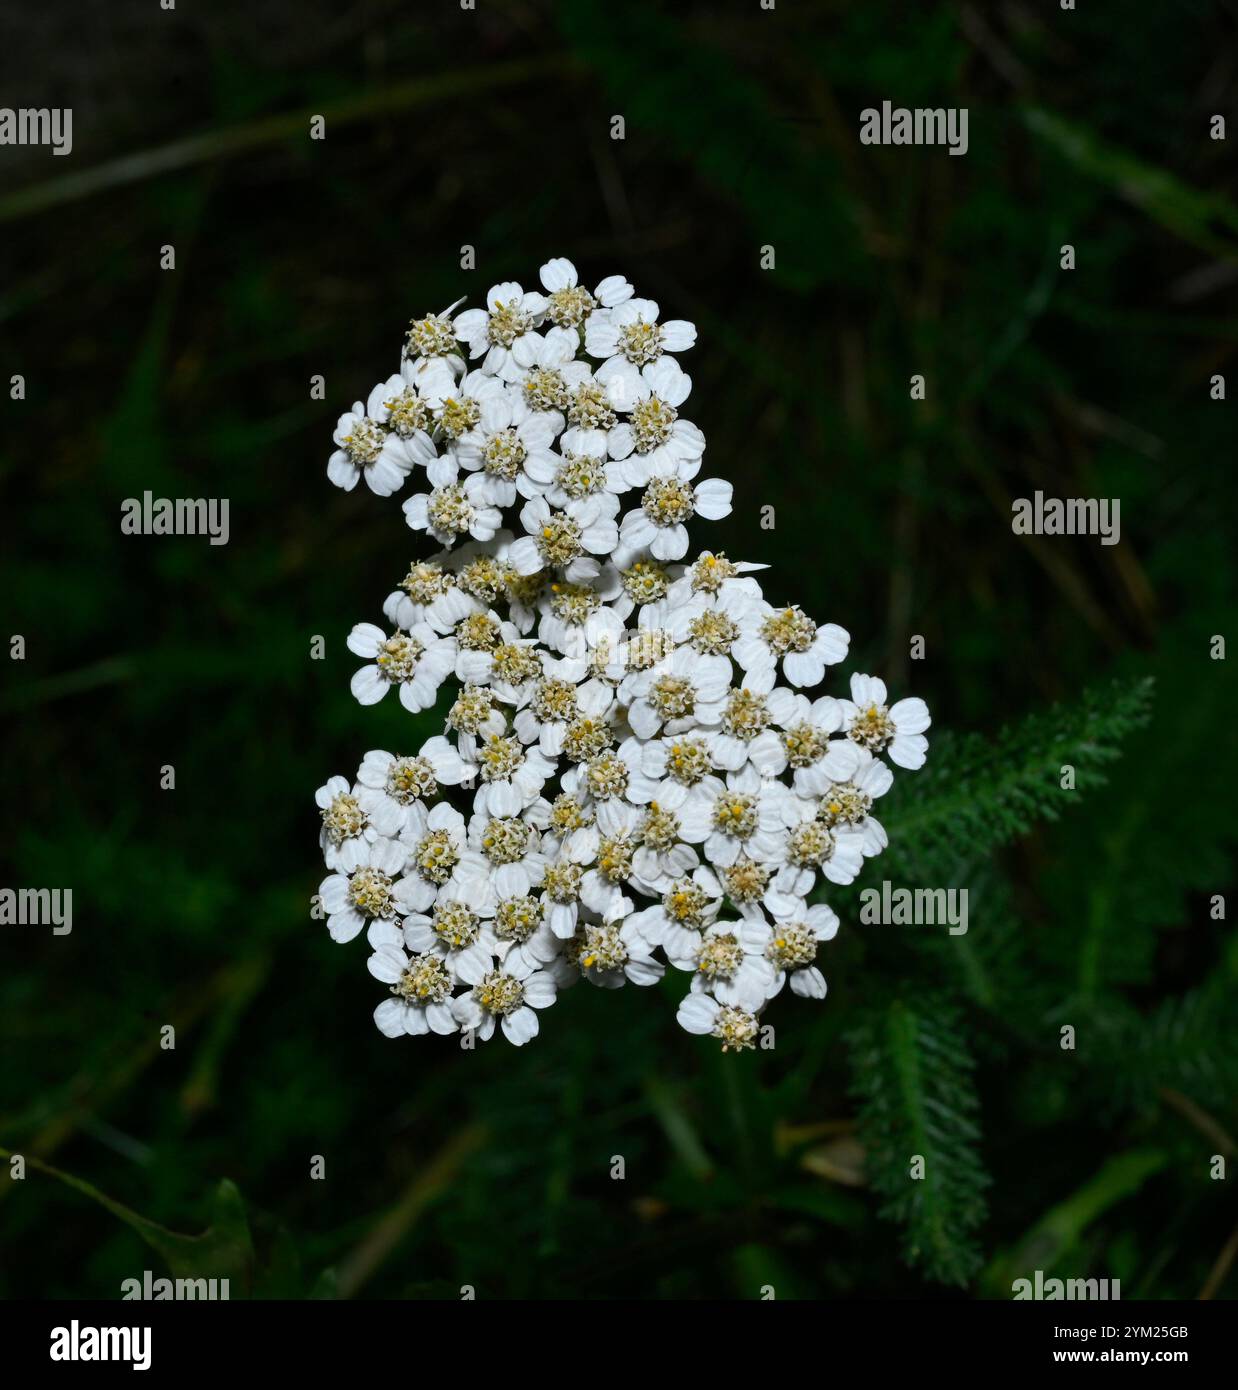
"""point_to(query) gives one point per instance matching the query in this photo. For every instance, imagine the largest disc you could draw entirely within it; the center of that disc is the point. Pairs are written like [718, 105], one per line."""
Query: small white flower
[710, 624]
[505, 853]
[560, 896]
[408, 413]
[666, 504]
[414, 599]
[579, 472]
[523, 934]
[745, 816]
[421, 986]
[514, 667]
[508, 441]
[897, 729]
[661, 855]
[479, 569]
[551, 374]
[816, 760]
[751, 884]
[575, 619]
[500, 329]
[557, 701]
[352, 898]
[458, 405]
[610, 782]
[478, 634]
[729, 962]
[568, 303]
[629, 337]
[430, 348]
[349, 824]
[601, 889]
[446, 763]
[570, 832]
[683, 692]
[734, 1027]
[790, 946]
[612, 952]
[654, 434]
[390, 786]
[506, 997]
[566, 540]
[645, 583]
[512, 775]
[461, 930]
[368, 448]
[475, 717]
[689, 905]
[435, 842]
[813, 847]
[416, 662]
[455, 509]
[716, 575]
[848, 801]
[789, 635]
[746, 736]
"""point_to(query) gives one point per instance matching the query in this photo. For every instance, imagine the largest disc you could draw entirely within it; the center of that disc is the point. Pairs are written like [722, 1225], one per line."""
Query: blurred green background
[1090, 909]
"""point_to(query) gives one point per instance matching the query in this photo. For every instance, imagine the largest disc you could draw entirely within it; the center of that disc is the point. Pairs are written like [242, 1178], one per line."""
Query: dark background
[297, 257]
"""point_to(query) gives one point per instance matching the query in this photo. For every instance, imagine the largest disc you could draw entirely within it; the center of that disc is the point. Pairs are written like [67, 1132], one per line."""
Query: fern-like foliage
[976, 794]
[1188, 1043]
[912, 1074]
[911, 1066]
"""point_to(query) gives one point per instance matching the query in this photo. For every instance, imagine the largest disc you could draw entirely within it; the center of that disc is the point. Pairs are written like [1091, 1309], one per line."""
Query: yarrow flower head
[634, 768]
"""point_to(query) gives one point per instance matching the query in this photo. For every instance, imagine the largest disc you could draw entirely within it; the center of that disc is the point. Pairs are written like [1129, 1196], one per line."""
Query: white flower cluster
[648, 783]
